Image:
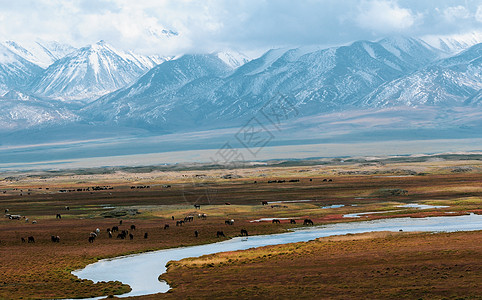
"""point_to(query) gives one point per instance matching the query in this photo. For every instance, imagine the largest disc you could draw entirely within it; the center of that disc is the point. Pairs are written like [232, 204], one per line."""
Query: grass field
[42, 269]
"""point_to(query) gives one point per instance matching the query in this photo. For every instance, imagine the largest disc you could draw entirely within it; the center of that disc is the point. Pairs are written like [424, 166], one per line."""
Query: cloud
[478, 14]
[385, 16]
[209, 25]
[455, 13]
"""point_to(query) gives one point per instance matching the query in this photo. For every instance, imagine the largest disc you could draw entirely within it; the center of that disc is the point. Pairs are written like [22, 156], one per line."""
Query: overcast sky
[243, 25]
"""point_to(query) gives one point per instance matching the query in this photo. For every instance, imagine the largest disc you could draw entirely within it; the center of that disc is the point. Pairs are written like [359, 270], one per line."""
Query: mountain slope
[455, 43]
[445, 82]
[204, 90]
[15, 71]
[41, 53]
[152, 99]
[91, 72]
[22, 111]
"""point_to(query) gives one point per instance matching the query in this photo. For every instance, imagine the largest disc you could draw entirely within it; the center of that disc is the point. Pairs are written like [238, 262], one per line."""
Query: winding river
[141, 271]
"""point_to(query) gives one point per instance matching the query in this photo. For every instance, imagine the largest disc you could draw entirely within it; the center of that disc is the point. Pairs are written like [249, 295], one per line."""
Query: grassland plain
[42, 269]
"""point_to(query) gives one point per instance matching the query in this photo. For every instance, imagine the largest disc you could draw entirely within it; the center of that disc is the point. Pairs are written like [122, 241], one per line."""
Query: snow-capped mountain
[15, 71]
[90, 72]
[225, 89]
[21, 111]
[202, 89]
[454, 43]
[233, 59]
[156, 93]
[449, 81]
[41, 53]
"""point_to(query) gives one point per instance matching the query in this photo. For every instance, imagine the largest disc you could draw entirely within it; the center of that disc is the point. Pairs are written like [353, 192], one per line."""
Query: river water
[141, 271]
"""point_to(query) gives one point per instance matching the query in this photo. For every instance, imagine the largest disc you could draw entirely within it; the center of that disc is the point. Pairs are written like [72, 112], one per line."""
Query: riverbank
[373, 265]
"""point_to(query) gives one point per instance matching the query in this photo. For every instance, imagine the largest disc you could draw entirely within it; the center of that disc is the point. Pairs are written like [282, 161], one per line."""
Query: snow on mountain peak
[41, 53]
[232, 58]
[454, 43]
[92, 71]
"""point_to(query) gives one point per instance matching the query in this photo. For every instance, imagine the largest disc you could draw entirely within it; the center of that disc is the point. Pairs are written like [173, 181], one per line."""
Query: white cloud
[478, 14]
[384, 16]
[456, 13]
[244, 25]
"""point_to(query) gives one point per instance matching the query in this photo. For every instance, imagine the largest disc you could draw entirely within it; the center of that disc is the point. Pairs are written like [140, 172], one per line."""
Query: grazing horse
[133, 227]
[110, 234]
[220, 233]
[121, 236]
[307, 222]
[145, 235]
[244, 232]
[55, 239]
[292, 221]
[179, 223]
[30, 239]
[23, 240]
[229, 222]
[172, 218]
[91, 239]
[131, 236]
[197, 206]
[166, 226]
[196, 233]
[264, 202]
[275, 221]
[120, 222]
[115, 228]
[58, 216]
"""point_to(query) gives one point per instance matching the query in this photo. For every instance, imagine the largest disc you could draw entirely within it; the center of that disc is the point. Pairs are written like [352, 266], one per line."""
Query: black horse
[292, 221]
[244, 232]
[276, 221]
[30, 239]
[219, 233]
[307, 222]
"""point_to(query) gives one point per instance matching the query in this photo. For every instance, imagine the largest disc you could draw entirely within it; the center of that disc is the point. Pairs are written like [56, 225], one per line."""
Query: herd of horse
[125, 233]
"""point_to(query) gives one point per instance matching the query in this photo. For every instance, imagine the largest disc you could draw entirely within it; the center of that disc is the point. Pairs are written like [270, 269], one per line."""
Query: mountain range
[47, 85]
